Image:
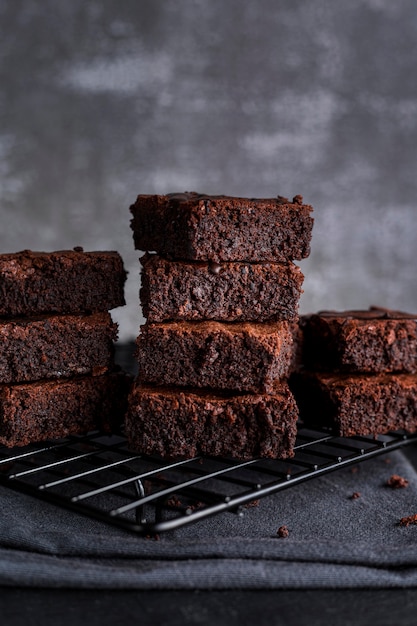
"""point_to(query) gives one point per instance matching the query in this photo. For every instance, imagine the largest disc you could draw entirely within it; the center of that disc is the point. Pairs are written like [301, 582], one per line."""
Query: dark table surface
[172, 608]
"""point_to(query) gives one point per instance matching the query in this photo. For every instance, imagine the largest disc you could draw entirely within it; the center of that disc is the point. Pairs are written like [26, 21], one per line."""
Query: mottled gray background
[104, 99]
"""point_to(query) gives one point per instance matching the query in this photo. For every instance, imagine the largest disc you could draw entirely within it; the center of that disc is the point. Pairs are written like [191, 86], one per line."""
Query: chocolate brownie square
[374, 340]
[56, 346]
[53, 409]
[357, 404]
[238, 356]
[199, 227]
[67, 282]
[238, 291]
[177, 423]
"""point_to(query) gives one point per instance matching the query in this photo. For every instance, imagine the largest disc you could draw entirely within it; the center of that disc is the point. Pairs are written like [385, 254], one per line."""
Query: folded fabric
[343, 532]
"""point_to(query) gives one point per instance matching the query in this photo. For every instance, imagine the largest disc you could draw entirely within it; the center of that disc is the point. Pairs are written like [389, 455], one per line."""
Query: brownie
[175, 423]
[67, 281]
[236, 356]
[195, 227]
[376, 340]
[56, 346]
[42, 410]
[357, 404]
[180, 290]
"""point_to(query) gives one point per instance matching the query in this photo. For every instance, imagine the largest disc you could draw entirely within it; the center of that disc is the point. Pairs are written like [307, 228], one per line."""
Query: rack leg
[139, 512]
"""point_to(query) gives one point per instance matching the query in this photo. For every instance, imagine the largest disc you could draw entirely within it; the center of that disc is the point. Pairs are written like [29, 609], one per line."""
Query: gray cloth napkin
[335, 540]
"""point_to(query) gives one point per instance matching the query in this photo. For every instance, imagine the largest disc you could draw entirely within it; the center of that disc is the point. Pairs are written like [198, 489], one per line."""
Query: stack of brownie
[220, 293]
[359, 373]
[57, 371]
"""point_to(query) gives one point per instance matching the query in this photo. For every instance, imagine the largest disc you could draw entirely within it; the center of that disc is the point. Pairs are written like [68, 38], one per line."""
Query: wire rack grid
[98, 476]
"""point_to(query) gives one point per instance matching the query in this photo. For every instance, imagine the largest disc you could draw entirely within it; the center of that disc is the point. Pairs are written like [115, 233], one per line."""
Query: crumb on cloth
[397, 482]
[283, 531]
[409, 520]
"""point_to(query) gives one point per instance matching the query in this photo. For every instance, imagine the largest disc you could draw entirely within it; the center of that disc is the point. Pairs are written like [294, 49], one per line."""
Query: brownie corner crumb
[283, 531]
[355, 495]
[397, 482]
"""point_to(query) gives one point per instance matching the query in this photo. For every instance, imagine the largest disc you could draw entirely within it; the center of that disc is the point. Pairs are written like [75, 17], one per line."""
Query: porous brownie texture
[236, 356]
[56, 346]
[42, 410]
[178, 290]
[195, 226]
[67, 281]
[174, 423]
[374, 340]
[358, 404]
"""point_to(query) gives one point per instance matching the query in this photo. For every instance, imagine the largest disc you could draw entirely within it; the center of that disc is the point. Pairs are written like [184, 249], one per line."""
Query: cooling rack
[98, 476]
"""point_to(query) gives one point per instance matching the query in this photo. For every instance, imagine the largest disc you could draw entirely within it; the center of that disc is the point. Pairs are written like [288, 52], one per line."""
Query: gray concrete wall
[102, 100]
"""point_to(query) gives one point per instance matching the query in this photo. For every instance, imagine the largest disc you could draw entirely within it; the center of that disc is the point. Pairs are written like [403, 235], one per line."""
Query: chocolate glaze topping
[188, 196]
[373, 313]
[214, 268]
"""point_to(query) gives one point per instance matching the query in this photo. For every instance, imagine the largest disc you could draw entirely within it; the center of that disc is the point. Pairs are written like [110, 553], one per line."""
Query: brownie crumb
[251, 504]
[174, 502]
[355, 495]
[283, 531]
[409, 520]
[298, 199]
[195, 505]
[397, 482]
[154, 536]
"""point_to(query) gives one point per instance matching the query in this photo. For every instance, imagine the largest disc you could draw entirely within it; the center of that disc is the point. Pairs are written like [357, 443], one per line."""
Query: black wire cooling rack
[100, 477]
